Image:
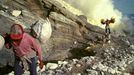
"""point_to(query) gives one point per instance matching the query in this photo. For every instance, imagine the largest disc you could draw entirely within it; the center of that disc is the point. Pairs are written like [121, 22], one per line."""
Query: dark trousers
[107, 30]
[18, 70]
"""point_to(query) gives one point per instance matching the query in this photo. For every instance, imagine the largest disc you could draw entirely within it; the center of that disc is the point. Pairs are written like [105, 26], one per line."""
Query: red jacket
[26, 46]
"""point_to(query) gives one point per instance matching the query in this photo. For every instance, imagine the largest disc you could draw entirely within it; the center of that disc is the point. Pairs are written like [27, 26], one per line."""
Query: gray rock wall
[66, 26]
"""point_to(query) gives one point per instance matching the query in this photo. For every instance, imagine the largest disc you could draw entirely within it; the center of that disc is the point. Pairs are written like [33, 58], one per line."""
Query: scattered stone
[110, 70]
[75, 42]
[62, 62]
[16, 13]
[78, 65]
[78, 74]
[50, 72]
[118, 72]
[59, 72]
[127, 42]
[75, 61]
[41, 70]
[70, 68]
[65, 62]
[132, 46]
[26, 73]
[12, 73]
[126, 74]
[100, 66]
[87, 48]
[51, 66]
[92, 72]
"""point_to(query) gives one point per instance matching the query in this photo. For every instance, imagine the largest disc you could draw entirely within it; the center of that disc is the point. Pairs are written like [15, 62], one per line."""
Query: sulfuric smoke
[95, 10]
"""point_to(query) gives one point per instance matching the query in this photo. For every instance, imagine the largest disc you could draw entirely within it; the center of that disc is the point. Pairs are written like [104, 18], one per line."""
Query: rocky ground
[75, 48]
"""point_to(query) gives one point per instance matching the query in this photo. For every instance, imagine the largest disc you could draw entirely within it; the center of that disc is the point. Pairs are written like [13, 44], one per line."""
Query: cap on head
[16, 32]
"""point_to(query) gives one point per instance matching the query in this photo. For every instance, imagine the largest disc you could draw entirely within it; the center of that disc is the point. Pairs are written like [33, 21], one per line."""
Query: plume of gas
[95, 10]
[128, 24]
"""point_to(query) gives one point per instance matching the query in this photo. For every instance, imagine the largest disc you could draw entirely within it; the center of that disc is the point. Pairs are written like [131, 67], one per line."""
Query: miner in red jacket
[25, 49]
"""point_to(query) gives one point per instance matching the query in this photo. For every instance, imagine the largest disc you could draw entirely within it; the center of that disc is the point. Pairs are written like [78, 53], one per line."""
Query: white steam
[98, 9]
[128, 24]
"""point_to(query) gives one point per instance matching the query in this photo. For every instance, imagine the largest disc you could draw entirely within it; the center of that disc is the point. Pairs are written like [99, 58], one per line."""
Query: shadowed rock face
[72, 36]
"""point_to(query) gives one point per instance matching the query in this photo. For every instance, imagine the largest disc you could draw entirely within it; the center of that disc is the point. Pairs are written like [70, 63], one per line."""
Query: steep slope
[72, 37]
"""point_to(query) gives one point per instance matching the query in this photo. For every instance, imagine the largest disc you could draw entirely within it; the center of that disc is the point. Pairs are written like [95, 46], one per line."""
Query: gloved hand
[41, 64]
[7, 40]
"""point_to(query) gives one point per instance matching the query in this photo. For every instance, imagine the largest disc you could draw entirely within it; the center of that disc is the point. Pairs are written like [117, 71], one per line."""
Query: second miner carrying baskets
[107, 27]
